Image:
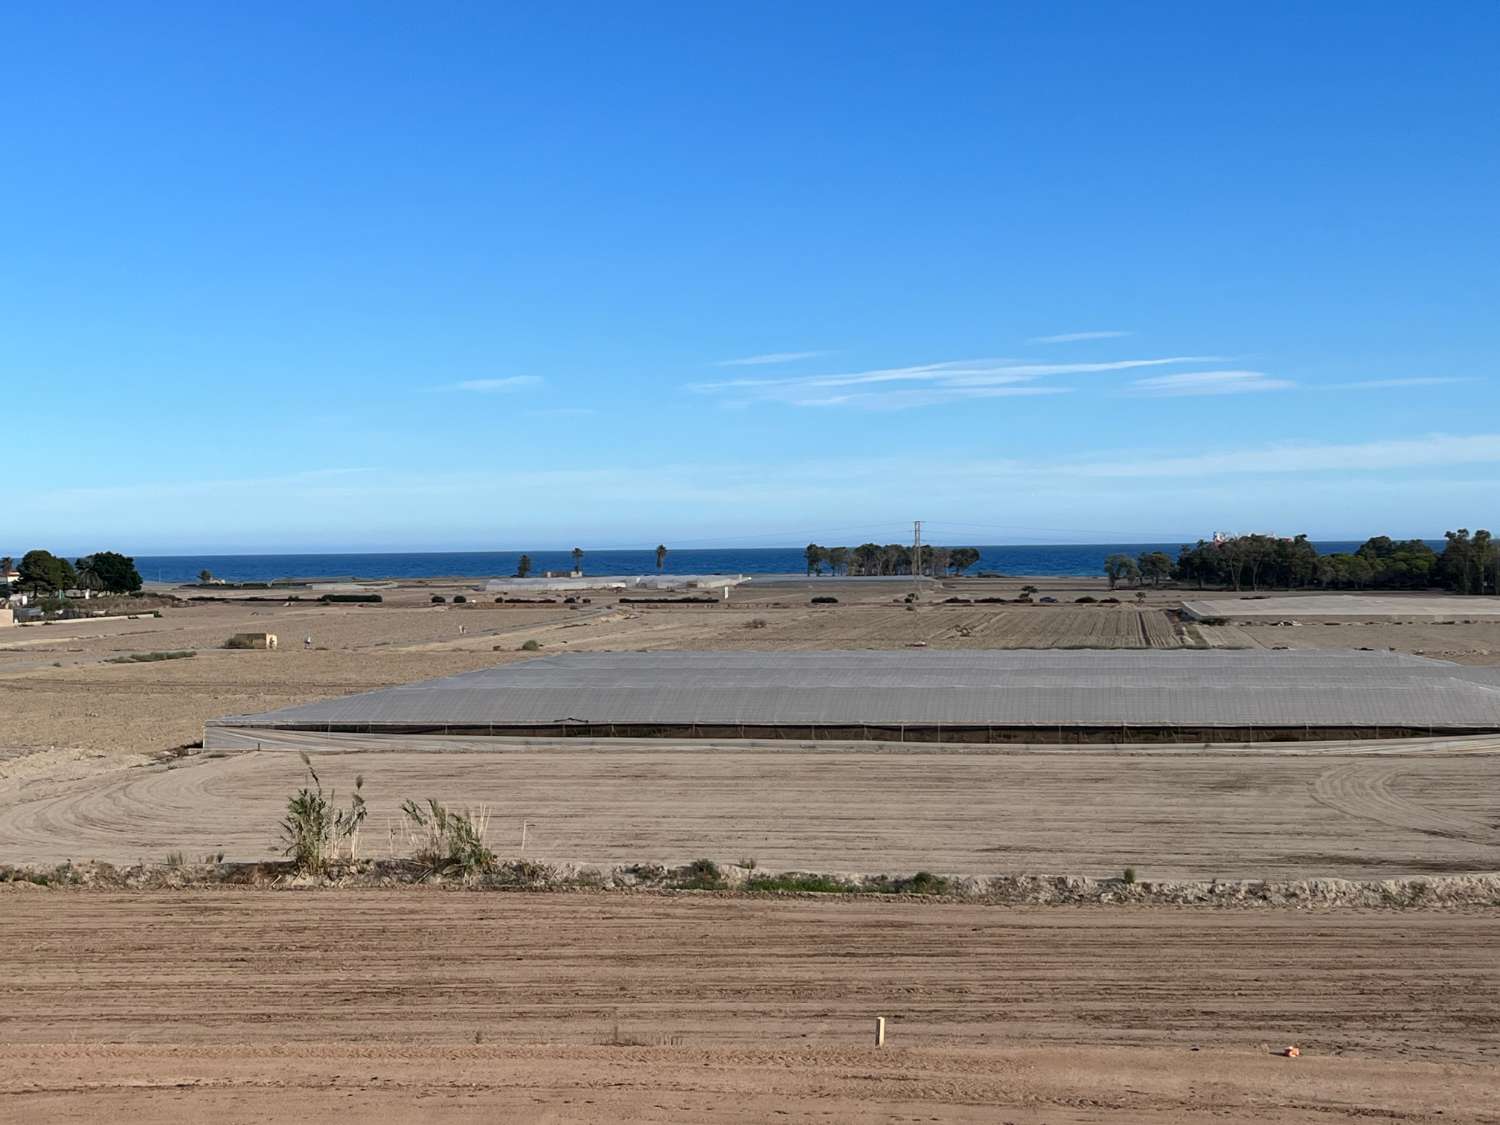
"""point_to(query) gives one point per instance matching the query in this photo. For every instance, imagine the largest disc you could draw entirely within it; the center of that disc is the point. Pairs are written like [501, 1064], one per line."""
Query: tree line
[892, 558]
[43, 573]
[1468, 564]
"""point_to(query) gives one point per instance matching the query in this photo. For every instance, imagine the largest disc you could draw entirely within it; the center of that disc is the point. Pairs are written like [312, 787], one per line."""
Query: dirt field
[1183, 814]
[417, 1004]
[386, 1006]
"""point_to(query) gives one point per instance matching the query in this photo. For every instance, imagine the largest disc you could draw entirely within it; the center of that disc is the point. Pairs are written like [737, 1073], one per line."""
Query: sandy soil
[1289, 813]
[383, 1006]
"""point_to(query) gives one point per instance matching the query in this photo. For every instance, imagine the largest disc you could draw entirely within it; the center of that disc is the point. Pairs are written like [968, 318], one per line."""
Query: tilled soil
[1171, 813]
[387, 1005]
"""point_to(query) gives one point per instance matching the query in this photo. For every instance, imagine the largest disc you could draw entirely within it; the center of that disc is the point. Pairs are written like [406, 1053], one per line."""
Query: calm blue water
[1059, 561]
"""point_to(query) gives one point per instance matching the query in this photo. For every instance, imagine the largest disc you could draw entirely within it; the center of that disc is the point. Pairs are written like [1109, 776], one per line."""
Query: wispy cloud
[1076, 337]
[1209, 383]
[494, 386]
[904, 399]
[1371, 456]
[768, 358]
[895, 388]
[1412, 381]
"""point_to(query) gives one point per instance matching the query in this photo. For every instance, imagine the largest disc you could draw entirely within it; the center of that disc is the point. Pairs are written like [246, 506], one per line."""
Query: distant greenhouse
[614, 582]
[968, 696]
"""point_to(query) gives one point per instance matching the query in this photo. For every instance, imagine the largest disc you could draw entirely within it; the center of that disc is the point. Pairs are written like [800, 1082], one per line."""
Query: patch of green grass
[795, 882]
[922, 883]
[150, 657]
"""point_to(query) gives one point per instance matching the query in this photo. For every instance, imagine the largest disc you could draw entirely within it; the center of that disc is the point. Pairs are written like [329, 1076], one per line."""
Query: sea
[1031, 560]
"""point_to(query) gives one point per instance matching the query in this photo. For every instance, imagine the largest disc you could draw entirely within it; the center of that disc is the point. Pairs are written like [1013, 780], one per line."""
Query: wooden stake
[880, 1031]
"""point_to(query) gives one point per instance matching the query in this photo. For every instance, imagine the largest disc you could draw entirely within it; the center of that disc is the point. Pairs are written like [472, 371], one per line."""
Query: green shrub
[926, 883]
[531, 646]
[700, 875]
[1129, 876]
[361, 598]
[824, 600]
[459, 599]
[314, 828]
[449, 841]
[150, 657]
[438, 599]
[922, 883]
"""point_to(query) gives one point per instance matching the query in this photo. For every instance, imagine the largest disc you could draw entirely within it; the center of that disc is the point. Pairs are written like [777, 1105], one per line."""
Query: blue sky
[343, 276]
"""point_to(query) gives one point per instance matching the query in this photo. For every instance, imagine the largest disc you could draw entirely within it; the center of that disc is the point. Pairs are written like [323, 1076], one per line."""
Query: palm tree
[88, 574]
[578, 559]
[661, 557]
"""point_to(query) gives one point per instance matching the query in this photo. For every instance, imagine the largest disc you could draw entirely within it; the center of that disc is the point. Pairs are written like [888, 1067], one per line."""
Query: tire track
[1363, 789]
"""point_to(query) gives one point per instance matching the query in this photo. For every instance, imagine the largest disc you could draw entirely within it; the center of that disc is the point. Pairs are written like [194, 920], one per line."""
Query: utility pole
[916, 551]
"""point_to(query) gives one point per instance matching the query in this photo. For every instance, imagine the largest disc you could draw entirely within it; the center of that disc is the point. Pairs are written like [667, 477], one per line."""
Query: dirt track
[228, 1004]
[1287, 813]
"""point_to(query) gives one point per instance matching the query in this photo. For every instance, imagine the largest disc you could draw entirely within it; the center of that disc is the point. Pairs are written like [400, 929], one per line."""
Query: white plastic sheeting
[1048, 688]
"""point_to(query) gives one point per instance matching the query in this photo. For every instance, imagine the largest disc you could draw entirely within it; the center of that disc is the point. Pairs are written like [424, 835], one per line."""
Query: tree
[578, 559]
[961, 558]
[838, 560]
[661, 557]
[42, 572]
[895, 558]
[205, 576]
[108, 571]
[1118, 568]
[1155, 565]
[87, 577]
[814, 557]
[523, 566]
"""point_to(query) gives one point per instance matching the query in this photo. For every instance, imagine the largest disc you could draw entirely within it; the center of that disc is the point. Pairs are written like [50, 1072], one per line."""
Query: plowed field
[392, 1006]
